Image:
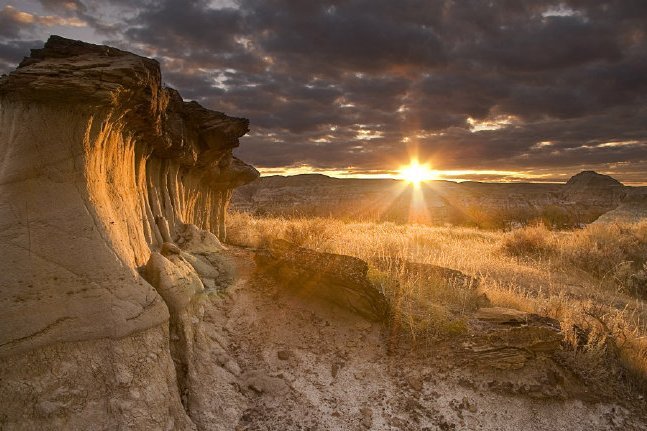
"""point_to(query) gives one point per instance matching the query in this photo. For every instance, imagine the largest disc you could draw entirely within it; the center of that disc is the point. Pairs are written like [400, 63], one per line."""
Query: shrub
[531, 241]
[614, 252]
[312, 233]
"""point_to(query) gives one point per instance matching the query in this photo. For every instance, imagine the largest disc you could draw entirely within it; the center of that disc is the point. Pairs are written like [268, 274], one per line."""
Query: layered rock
[100, 166]
[335, 278]
[506, 338]
[426, 273]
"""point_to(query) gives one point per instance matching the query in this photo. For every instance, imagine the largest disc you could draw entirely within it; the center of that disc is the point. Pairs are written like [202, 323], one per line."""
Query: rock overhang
[95, 150]
[67, 71]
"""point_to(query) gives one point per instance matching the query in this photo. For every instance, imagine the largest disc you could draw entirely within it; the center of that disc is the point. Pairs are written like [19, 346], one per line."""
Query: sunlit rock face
[100, 165]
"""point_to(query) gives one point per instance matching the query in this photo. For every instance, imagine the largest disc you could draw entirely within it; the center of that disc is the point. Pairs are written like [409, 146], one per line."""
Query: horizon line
[505, 177]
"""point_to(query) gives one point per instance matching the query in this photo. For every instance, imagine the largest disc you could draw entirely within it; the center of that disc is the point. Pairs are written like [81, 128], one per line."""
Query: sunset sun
[415, 173]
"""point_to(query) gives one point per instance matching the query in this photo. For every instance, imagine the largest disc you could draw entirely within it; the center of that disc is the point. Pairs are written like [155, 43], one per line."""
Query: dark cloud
[13, 51]
[10, 23]
[179, 28]
[346, 36]
[541, 85]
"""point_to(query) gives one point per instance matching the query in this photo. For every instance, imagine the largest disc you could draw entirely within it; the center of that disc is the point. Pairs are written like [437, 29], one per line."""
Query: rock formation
[632, 208]
[425, 272]
[593, 189]
[336, 278]
[104, 172]
[508, 338]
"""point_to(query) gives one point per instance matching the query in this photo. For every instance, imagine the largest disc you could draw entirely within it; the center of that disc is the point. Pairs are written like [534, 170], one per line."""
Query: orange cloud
[27, 18]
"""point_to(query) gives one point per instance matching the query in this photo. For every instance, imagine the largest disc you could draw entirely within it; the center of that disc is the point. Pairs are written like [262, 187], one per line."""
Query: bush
[312, 233]
[530, 241]
[615, 252]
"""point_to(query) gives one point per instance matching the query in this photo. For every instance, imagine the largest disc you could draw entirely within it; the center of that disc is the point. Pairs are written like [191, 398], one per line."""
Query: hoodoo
[101, 166]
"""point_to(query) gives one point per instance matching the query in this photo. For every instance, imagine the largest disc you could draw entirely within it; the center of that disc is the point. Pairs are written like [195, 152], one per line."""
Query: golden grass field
[593, 280]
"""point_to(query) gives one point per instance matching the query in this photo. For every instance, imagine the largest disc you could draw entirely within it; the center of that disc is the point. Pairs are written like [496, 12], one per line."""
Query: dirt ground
[272, 360]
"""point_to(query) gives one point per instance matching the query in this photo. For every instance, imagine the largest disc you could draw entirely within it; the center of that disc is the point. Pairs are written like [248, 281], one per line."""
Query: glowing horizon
[457, 175]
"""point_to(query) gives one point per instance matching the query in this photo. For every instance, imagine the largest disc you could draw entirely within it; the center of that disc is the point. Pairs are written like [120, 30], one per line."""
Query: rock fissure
[37, 333]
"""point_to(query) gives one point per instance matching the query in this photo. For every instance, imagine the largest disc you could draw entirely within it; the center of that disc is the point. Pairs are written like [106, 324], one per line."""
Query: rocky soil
[270, 358]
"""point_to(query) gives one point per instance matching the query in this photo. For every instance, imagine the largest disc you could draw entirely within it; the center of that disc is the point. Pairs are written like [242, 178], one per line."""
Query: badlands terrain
[131, 299]
[583, 199]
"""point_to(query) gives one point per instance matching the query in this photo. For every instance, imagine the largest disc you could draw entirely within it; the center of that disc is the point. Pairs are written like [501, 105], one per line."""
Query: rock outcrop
[336, 278]
[426, 273]
[506, 338]
[633, 208]
[102, 170]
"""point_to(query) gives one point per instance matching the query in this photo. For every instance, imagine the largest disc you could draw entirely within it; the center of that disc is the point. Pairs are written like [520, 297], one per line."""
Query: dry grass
[592, 280]
[615, 254]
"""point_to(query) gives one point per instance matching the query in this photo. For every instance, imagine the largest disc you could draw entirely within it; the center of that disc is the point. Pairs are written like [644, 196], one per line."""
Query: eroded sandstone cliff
[100, 165]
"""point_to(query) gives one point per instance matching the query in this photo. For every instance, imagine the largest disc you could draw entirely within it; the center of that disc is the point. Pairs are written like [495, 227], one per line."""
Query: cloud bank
[542, 88]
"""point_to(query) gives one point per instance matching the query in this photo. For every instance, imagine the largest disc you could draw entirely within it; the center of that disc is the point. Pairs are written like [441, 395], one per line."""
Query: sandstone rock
[105, 384]
[169, 248]
[209, 283]
[102, 165]
[336, 278]
[174, 279]
[196, 240]
[97, 155]
[593, 189]
[201, 265]
[510, 337]
[426, 272]
[593, 180]
[162, 225]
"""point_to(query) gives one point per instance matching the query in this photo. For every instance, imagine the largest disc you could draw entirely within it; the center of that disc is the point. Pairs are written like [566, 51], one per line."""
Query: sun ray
[416, 173]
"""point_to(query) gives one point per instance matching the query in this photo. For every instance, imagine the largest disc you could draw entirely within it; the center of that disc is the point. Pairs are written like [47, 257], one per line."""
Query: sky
[502, 90]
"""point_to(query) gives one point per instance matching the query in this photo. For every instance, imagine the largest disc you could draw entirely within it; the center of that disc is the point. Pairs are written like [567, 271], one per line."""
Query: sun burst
[415, 173]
